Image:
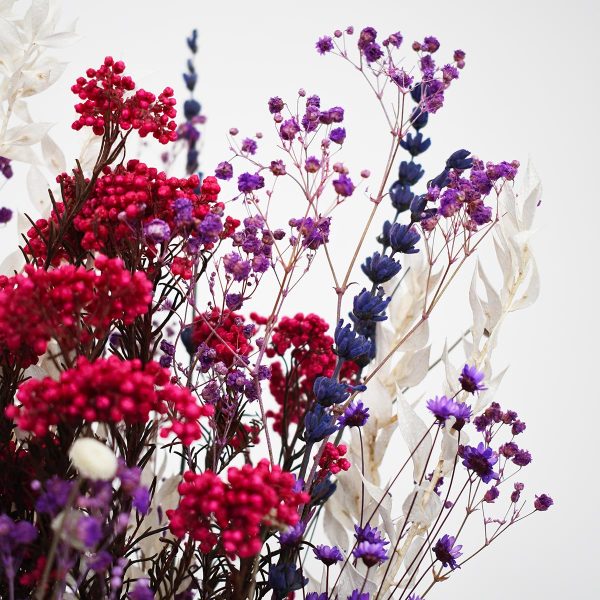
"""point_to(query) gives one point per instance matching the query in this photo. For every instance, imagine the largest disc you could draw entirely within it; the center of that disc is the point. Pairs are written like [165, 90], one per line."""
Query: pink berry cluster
[108, 390]
[332, 460]
[254, 497]
[70, 304]
[107, 102]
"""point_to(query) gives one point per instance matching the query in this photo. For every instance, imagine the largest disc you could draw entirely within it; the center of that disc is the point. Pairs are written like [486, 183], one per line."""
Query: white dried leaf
[58, 40]
[37, 186]
[531, 293]
[412, 368]
[35, 17]
[478, 314]
[424, 508]
[25, 135]
[53, 155]
[41, 77]
[12, 263]
[416, 435]
[493, 306]
[486, 397]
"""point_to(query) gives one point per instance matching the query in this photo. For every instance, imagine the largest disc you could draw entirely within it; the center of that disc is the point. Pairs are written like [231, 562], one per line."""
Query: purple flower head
[183, 211]
[357, 595]
[55, 497]
[5, 215]
[141, 591]
[289, 129]
[224, 171]
[403, 238]
[444, 407]
[480, 460]
[314, 233]
[5, 167]
[293, 535]
[479, 213]
[369, 534]
[88, 531]
[372, 52]
[141, 500]
[234, 301]
[395, 39]
[380, 268]
[276, 105]
[430, 44]
[324, 45]
[248, 183]
[370, 553]
[446, 552]
[236, 266]
[343, 185]
[328, 555]
[277, 168]
[355, 415]
[522, 458]
[518, 427]
[209, 228]
[14, 534]
[543, 502]
[491, 494]
[157, 231]
[249, 146]
[338, 135]
[317, 596]
[336, 114]
[471, 379]
[312, 164]
[367, 36]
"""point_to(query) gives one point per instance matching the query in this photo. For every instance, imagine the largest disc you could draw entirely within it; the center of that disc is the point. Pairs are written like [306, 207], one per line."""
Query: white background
[529, 91]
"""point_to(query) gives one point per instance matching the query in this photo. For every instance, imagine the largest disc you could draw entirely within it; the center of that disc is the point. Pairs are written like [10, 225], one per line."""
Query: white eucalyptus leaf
[478, 314]
[416, 435]
[493, 306]
[26, 135]
[59, 40]
[53, 155]
[531, 293]
[37, 186]
[13, 263]
[412, 368]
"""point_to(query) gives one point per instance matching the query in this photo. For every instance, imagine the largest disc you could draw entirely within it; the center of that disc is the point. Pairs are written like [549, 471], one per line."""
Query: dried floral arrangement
[162, 437]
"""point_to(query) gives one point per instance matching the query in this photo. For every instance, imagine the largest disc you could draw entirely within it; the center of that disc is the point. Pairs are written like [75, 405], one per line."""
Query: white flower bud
[93, 459]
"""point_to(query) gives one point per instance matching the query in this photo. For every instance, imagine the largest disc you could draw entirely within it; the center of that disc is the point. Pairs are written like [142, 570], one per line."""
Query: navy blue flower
[190, 80]
[323, 491]
[369, 307]
[440, 181]
[380, 268]
[192, 41]
[401, 196]
[403, 238]
[419, 118]
[415, 144]
[284, 579]
[318, 424]
[328, 391]
[350, 345]
[409, 173]
[459, 160]
[191, 109]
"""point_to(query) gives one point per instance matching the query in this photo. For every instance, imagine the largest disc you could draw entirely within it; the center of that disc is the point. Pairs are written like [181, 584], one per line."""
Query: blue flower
[415, 144]
[409, 173]
[190, 80]
[369, 307]
[328, 391]
[192, 41]
[350, 345]
[356, 415]
[318, 424]
[380, 268]
[459, 160]
[284, 579]
[480, 460]
[401, 196]
[191, 109]
[446, 552]
[419, 118]
[403, 238]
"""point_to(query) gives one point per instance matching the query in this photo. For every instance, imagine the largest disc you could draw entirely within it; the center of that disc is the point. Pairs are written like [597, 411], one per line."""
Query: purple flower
[355, 415]
[491, 494]
[5, 215]
[248, 183]
[446, 552]
[5, 167]
[324, 45]
[314, 233]
[249, 146]
[401, 78]
[338, 135]
[522, 458]
[224, 171]
[471, 379]
[88, 531]
[15, 533]
[157, 231]
[481, 460]
[55, 497]
[141, 500]
[289, 129]
[183, 211]
[366, 37]
[480, 213]
[368, 534]
[518, 427]
[317, 596]
[430, 44]
[543, 502]
[141, 591]
[443, 408]
[236, 266]
[343, 185]
[328, 555]
[209, 228]
[234, 301]
[312, 164]
[356, 595]
[395, 39]
[276, 105]
[371, 553]
[336, 114]
[293, 535]
[372, 52]
[277, 168]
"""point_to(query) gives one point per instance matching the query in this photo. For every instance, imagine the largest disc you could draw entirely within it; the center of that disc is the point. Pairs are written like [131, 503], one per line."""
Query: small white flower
[93, 459]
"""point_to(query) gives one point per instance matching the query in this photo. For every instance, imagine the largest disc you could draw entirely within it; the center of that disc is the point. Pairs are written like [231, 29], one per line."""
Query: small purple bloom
[343, 185]
[317, 596]
[324, 45]
[5, 167]
[369, 534]
[249, 146]
[276, 105]
[518, 427]
[338, 135]
[471, 379]
[293, 535]
[277, 168]
[141, 591]
[312, 164]
[444, 408]
[395, 39]
[236, 266]
[480, 460]
[522, 458]
[249, 183]
[183, 211]
[491, 494]
[356, 415]
[224, 171]
[372, 52]
[543, 502]
[446, 552]
[5, 215]
[370, 553]
[157, 231]
[209, 228]
[328, 555]
[88, 531]
[289, 129]
[357, 595]
[234, 301]
[366, 37]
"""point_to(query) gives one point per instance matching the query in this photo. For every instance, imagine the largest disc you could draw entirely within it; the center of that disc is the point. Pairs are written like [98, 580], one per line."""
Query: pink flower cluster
[254, 497]
[332, 460]
[108, 391]
[107, 103]
[70, 304]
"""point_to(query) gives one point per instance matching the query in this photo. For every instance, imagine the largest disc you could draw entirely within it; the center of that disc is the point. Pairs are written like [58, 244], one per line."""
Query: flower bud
[93, 459]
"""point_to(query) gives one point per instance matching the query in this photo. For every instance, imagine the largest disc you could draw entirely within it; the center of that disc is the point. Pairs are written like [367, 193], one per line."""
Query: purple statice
[516, 494]
[414, 597]
[324, 45]
[491, 495]
[479, 213]
[248, 183]
[372, 52]
[312, 164]
[5, 167]
[209, 229]
[224, 171]
[328, 555]
[480, 460]
[276, 105]
[371, 553]
[449, 73]
[293, 535]
[336, 114]
[100, 561]
[508, 450]
[471, 379]
[358, 595]
[249, 146]
[355, 415]
[234, 301]
[314, 233]
[289, 129]
[522, 458]
[401, 78]
[518, 427]
[141, 591]
[5, 215]
[236, 266]
[337, 135]
[367, 36]
[277, 168]
[169, 352]
[449, 202]
[157, 231]
[343, 185]
[88, 531]
[395, 39]
[542, 502]
[183, 211]
[446, 552]
[54, 498]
